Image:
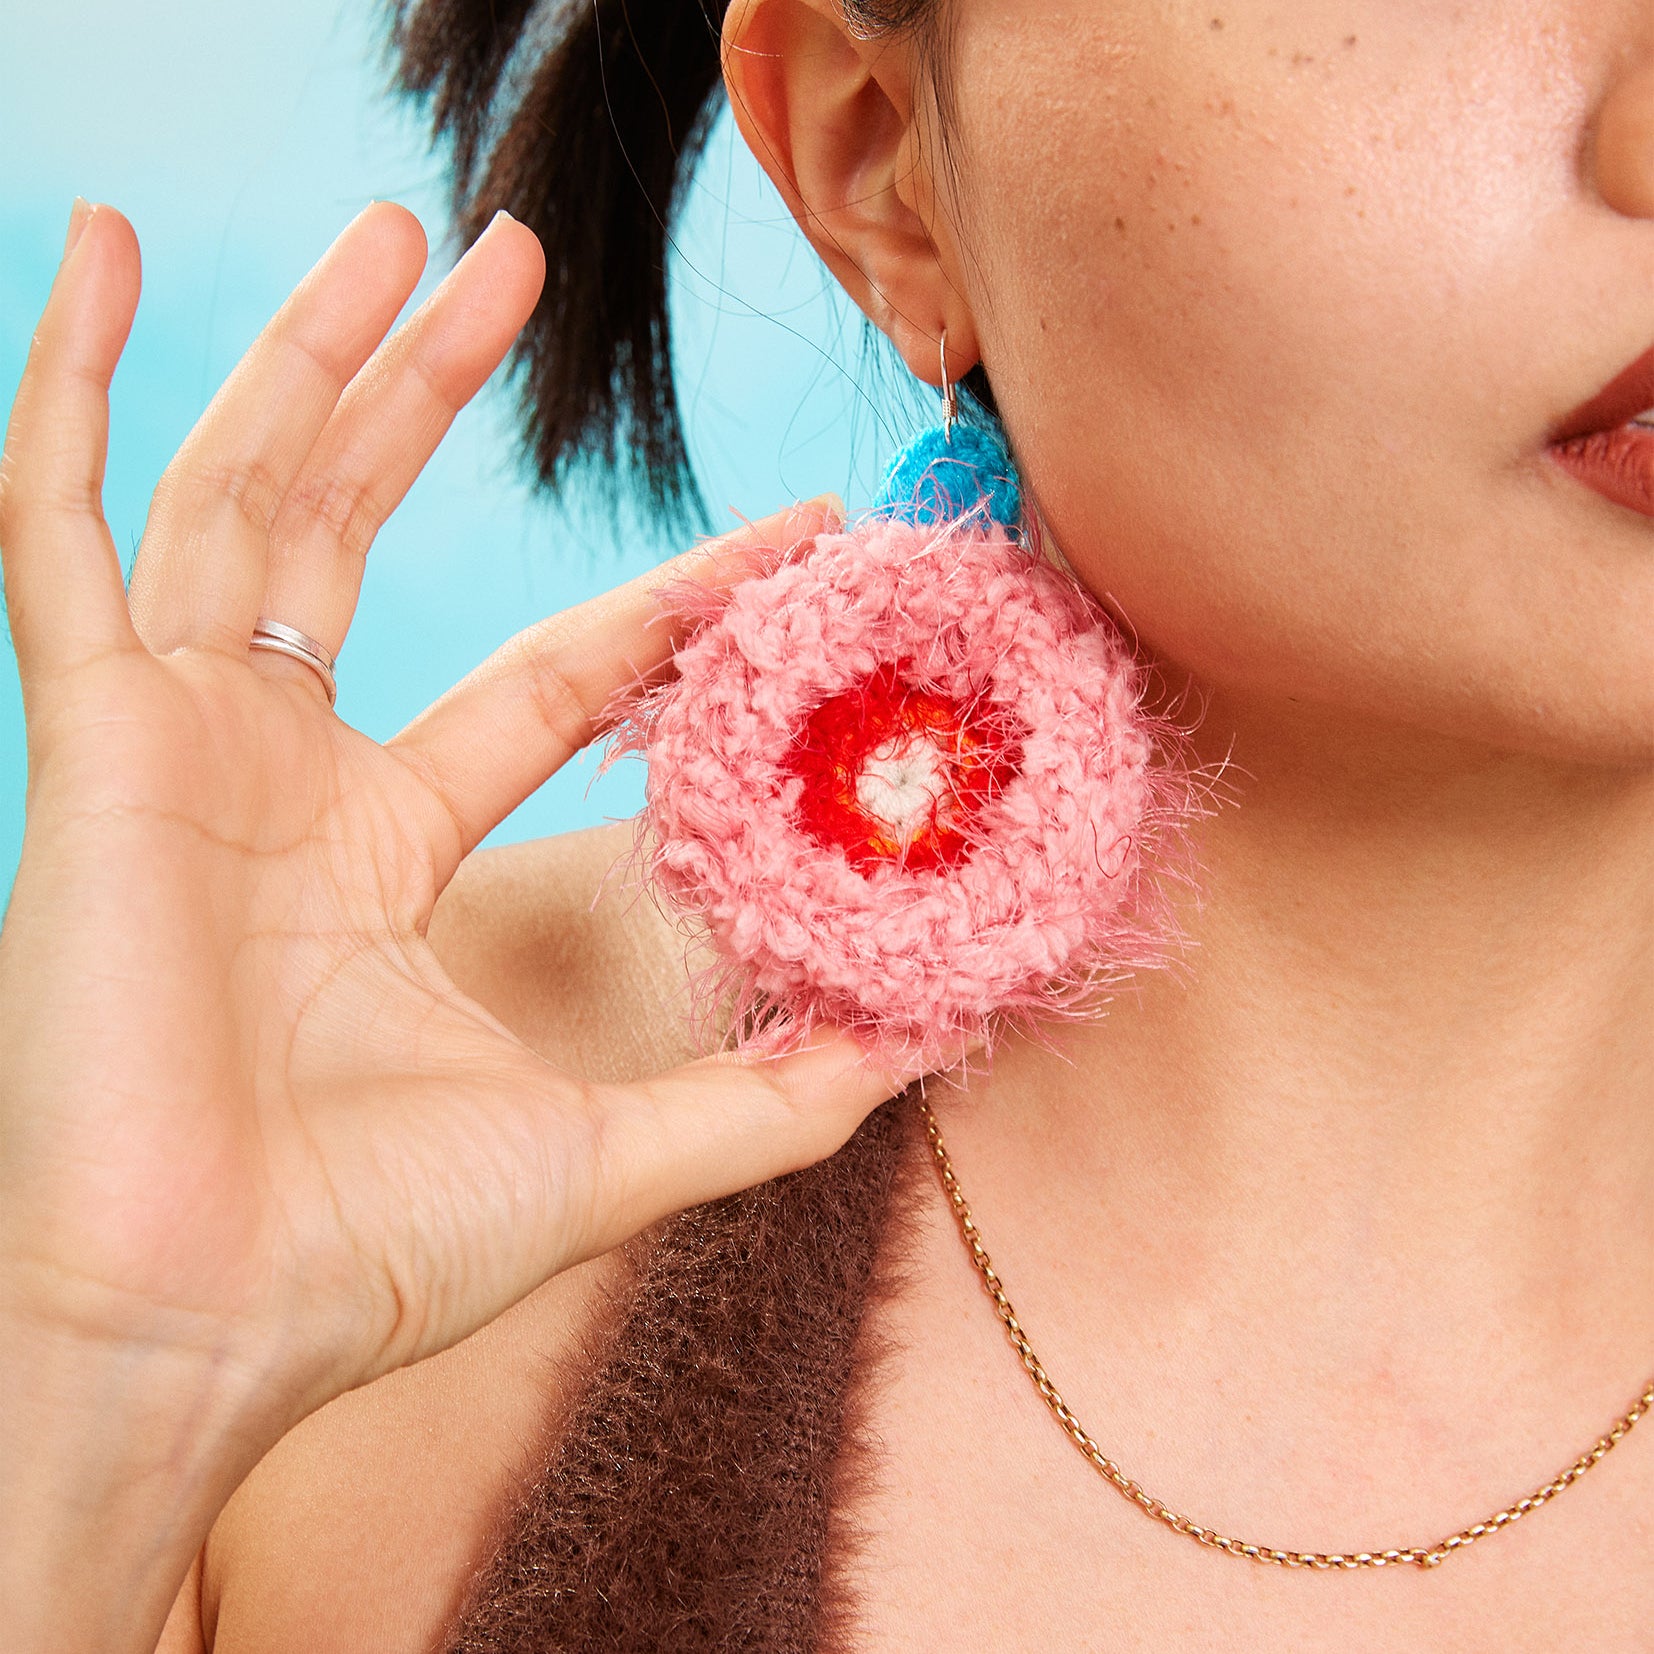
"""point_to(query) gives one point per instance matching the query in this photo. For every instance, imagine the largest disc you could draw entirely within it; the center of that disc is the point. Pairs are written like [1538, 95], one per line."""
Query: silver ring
[290, 641]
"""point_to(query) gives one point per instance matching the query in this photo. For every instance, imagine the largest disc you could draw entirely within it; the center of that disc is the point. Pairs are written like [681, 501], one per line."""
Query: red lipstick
[1600, 444]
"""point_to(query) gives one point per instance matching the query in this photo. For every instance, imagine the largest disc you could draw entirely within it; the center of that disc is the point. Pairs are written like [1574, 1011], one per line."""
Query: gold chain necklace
[1423, 1556]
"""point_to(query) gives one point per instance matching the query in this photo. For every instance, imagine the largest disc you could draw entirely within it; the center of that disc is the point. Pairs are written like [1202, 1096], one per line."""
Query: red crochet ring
[904, 781]
[890, 772]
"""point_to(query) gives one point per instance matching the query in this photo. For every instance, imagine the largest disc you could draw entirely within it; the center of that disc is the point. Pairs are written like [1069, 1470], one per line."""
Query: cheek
[1278, 313]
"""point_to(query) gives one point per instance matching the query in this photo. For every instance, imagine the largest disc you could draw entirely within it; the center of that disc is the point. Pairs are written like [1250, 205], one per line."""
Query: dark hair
[583, 119]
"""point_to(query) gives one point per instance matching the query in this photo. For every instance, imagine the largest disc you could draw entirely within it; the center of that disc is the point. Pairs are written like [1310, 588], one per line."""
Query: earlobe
[830, 117]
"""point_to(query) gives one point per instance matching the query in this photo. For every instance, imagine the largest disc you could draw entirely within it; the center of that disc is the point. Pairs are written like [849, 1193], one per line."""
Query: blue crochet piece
[933, 479]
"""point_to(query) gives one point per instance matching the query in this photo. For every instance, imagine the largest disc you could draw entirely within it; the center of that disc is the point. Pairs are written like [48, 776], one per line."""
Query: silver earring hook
[950, 393]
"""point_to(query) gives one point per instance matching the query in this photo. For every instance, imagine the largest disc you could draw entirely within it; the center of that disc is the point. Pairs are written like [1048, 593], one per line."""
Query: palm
[250, 1112]
[292, 1018]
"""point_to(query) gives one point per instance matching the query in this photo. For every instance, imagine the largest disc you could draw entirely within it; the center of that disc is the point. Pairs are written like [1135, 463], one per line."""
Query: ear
[834, 120]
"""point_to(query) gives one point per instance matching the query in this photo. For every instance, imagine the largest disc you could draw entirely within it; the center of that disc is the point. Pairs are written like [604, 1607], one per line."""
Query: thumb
[505, 1183]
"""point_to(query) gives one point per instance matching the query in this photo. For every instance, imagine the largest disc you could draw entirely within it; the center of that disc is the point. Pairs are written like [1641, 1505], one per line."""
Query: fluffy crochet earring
[903, 779]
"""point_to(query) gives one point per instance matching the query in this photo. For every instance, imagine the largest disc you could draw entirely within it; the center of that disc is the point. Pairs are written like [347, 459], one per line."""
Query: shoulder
[361, 1528]
[559, 941]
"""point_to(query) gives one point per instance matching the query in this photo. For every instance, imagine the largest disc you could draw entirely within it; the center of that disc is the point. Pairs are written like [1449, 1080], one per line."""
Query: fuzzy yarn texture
[903, 780]
[940, 476]
[699, 1496]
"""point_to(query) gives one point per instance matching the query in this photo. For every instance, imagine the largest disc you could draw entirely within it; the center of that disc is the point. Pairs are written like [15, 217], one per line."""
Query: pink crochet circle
[913, 959]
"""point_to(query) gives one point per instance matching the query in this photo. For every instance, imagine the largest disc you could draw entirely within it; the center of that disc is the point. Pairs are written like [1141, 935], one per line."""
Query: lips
[1599, 444]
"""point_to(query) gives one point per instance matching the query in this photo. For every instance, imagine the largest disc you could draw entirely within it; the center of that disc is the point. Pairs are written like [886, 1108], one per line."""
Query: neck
[1405, 1070]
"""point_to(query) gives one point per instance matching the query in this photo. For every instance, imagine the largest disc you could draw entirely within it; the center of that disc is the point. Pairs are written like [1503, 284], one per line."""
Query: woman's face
[1282, 303]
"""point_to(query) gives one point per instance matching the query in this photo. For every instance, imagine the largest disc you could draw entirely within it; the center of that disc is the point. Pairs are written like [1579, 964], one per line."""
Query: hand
[257, 1148]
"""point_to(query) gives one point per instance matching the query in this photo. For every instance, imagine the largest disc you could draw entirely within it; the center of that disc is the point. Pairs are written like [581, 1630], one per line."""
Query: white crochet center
[905, 784]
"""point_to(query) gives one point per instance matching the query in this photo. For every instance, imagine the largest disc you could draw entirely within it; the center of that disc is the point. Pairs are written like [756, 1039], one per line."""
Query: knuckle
[450, 829]
[319, 356]
[26, 499]
[346, 511]
[23, 492]
[435, 383]
[591, 1171]
[248, 485]
[558, 704]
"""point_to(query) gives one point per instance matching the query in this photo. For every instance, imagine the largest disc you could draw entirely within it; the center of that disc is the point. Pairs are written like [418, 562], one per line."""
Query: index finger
[537, 700]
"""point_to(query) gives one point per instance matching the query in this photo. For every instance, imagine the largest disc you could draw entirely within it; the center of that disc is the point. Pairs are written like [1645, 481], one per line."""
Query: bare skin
[362, 1526]
[1343, 1235]
[260, 1149]
[361, 1529]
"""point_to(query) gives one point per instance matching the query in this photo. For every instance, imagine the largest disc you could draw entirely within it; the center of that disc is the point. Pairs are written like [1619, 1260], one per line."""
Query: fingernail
[489, 228]
[830, 503]
[80, 215]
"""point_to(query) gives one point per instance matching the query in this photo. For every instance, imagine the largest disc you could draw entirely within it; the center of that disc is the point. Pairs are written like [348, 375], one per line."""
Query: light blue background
[239, 139]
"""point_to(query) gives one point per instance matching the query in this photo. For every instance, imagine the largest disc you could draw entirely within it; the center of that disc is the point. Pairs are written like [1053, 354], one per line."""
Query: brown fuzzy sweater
[689, 1503]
